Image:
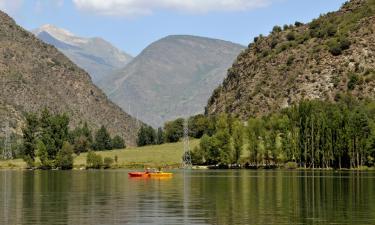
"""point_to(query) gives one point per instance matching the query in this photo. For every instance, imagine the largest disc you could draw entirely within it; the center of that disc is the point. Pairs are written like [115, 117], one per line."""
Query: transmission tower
[7, 152]
[186, 160]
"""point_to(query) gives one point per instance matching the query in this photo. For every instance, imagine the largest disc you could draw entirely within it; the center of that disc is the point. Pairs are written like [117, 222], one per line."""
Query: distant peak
[55, 30]
[60, 34]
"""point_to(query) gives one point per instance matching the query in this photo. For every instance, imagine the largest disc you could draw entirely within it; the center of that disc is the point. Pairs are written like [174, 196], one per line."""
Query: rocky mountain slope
[171, 78]
[333, 54]
[95, 55]
[35, 75]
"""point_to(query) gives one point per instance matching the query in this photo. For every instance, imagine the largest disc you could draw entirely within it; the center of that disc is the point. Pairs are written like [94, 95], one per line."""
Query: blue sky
[132, 26]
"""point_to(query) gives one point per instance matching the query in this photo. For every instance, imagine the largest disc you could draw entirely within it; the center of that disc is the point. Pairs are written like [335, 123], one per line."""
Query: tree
[42, 153]
[30, 132]
[64, 158]
[118, 142]
[146, 136]
[102, 140]
[223, 139]
[174, 130]
[237, 136]
[160, 136]
[81, 138]
[81, 144]
[198, 125]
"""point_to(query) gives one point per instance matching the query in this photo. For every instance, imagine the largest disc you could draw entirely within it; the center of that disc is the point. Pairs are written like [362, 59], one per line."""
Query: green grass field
[166, 155]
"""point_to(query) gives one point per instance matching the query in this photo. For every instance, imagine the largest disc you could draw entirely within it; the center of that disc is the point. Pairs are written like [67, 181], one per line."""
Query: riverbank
[165, 156]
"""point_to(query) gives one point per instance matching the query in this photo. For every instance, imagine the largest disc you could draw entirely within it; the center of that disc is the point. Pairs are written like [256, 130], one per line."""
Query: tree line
[312, 134]
[173, 131]
[48, 137]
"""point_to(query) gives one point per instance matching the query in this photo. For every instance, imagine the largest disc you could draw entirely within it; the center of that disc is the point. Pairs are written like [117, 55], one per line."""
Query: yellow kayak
[160, 174]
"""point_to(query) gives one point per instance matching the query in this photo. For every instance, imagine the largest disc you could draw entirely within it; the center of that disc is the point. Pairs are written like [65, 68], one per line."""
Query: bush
[93, 161]
[30, 163]
[108, 161]
[337, 45]
[353, 81]
[64, 158]
[291, 36]
[291, 165]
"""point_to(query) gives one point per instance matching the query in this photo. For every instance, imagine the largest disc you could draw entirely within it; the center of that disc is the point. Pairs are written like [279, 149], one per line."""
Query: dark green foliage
[54, 131]
[93, 160]
[46, 162]
[291, 36]
[81, 138]
[118, 142]
[353, 81]
[146, 136]
[337, 45]
[30, 132]
[64, 158]
[102, 140]
[298, 24]
[81, 144]
[44, 135]
[160, 136]
[238, 140]
[108, 161]
[174, 130]
[199, 125]
[276, 29]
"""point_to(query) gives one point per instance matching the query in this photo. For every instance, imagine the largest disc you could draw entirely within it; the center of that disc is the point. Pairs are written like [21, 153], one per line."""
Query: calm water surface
[196, 197]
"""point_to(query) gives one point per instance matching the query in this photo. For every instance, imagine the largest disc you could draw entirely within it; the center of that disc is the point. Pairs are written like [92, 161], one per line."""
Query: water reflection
[195, 197]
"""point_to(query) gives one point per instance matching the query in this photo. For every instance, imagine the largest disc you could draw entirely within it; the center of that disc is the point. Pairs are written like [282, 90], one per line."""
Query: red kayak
[138, 174]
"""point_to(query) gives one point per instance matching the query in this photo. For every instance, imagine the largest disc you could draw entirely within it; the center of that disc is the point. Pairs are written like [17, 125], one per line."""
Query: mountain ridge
[36, 75]
[96, 55]
[171, 78]
[318, 60]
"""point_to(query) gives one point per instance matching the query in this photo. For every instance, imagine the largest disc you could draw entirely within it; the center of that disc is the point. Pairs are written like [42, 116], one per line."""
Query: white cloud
[145, 7]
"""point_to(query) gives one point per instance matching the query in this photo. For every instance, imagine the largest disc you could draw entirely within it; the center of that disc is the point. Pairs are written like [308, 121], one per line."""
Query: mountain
[35, 75]
[171, 78]
[95, 55]
[331, 55]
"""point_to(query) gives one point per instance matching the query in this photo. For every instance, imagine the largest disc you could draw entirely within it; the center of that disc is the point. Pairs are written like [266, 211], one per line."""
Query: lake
[191, 197]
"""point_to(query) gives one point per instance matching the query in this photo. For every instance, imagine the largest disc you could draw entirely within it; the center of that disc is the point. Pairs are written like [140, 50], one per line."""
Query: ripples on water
[196, 197]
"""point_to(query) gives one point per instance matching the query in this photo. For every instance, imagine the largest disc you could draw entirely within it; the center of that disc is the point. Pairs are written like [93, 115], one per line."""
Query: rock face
[171, 78]
[95, 55]
[333, 54]
[35, 75]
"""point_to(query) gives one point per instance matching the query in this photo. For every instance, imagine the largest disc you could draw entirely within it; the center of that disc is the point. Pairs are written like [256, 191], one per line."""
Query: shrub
[30, 163]
[290, 60]
[337, 45]
[291, 36]
[64, 158]
[353, 81]
[291, 165]
[93, 161]
[108, 161]
[334, 47]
